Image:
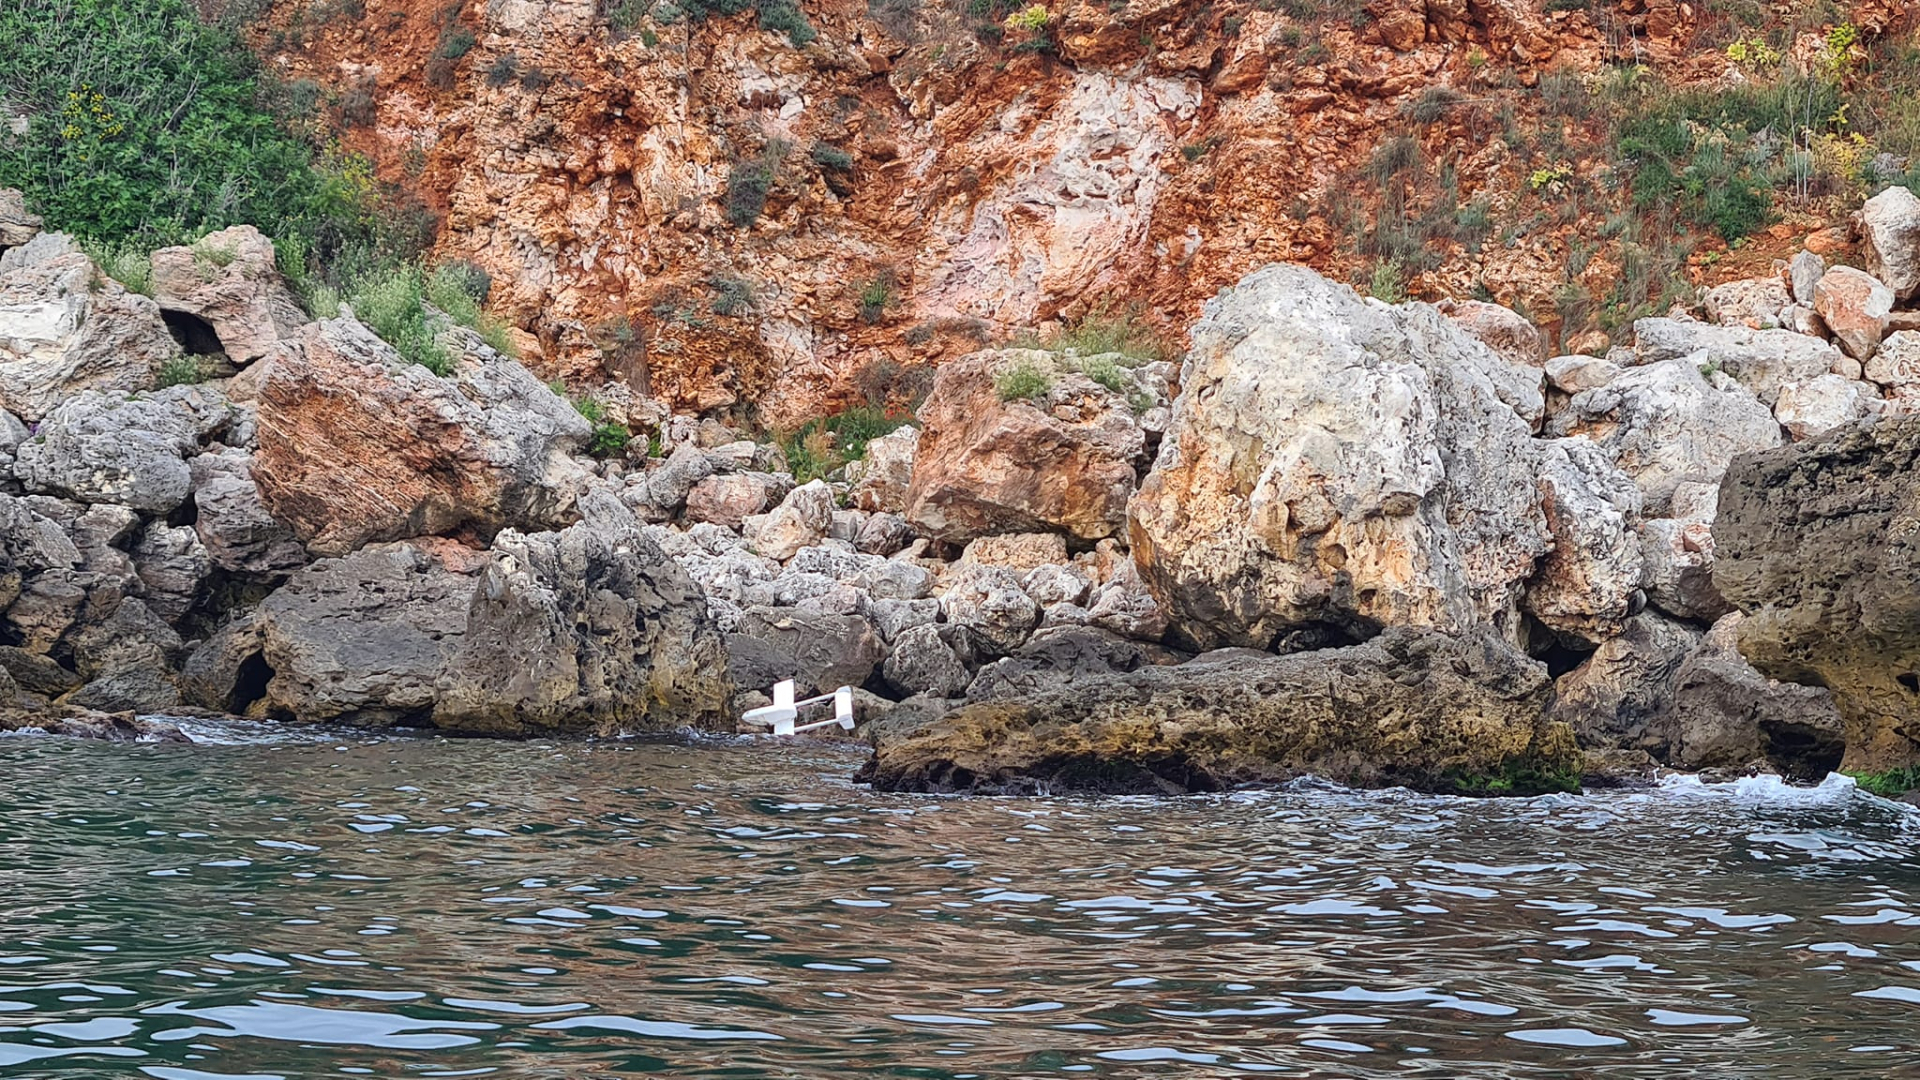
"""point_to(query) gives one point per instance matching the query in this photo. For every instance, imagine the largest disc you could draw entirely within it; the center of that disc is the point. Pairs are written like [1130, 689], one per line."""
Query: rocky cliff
[768, 213]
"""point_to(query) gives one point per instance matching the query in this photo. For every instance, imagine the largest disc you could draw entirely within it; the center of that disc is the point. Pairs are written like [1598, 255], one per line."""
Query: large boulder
[1819, 545]
[125, 449]
[227, 282]
[1336, 462]
[1725, 715]
[357, 445]
[1760, 360]
[1063, 460]
[590, 628]
[1755, 303]
[1616, 698]
[989, 601]
[1889, 226]
[1676, 555]
[239, 534]
[66, 327]
[1664, 424]
[1431, 711]
[1855, 306]
[1817, 406]
[820, 651]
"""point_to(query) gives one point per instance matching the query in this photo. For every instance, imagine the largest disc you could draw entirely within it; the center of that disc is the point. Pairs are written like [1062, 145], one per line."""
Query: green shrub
[459, 289]
[829, 156]
[1385, 283]
[181, 370]
[732, 296]
[129, 264]
[143, 123]
[784, 16]
[1022, 380]
[608, 439]
[822, 446]
[1111, 329]
[393, 305]
[875, 297]
[457, 42]
[745, 191]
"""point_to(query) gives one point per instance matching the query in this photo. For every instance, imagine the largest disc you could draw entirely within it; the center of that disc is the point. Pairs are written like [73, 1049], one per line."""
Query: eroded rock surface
[1819, 545]
[1410, 707]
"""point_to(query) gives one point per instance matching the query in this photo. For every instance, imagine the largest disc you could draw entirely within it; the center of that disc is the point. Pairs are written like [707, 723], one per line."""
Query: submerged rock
[1428, 710]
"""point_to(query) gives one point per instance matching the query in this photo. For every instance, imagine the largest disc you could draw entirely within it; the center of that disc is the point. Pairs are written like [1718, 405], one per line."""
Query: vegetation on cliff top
[140, 125]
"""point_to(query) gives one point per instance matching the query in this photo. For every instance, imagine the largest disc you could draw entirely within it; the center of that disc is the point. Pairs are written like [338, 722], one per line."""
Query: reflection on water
[428, 908]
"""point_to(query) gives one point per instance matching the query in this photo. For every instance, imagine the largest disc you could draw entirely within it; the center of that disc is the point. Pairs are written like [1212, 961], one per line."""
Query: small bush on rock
[1021, 381]
[182, 370]
[393, 305]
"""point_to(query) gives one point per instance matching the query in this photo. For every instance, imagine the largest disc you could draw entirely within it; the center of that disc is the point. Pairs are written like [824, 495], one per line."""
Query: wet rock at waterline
[1819, 545]
[1431, 711]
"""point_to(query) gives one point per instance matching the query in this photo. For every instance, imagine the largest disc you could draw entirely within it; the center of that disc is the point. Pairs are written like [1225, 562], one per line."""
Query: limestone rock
[1818, 406]
[1572, 374]
[1616, 698]
[1586, 585]
[1751, 302]
[801, 520]
[884, 534]
[881, 479]
[17, 224]
[659, 493]
[923, 662]
[357, 445]
[363, 639]
[590, 628]
[984, 466]
[1726, 715]
[126, 449]
[1854, 306]
[1335, 462]
[1897, 362]
[173, 566]
[988, 600]
[729, 500]
[1677, 553]
[1050, 585]
[1664, 424]
[1016, 551]
[1817, 546]
[1503, 330]
[1805, 271]
[1760, 360]
[1063, 654]
[819, 652]
[1125, 606]
[1428, 710]
[1889, 226]
[228, 281]
[233, 523]
[66, 328]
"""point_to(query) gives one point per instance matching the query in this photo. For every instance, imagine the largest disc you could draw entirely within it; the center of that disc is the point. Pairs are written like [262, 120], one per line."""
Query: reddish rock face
[358, 445]
[1064, 461]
